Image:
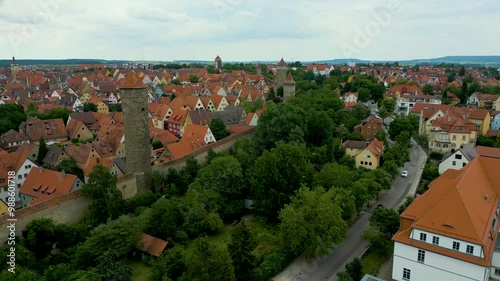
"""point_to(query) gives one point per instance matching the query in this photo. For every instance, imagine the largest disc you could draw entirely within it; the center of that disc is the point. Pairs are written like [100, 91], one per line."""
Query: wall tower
[281, 72]
[288, 87]
[134, 97]
[14, 67]
[218, 63]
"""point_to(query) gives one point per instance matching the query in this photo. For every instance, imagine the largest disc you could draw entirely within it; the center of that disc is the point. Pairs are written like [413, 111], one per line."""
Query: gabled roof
[54, 154]
[42, 183]
[461, 205]
[491, 152]
[467, 151]
[151, 244]
[49, 129]
[200, 116]
[353, 144]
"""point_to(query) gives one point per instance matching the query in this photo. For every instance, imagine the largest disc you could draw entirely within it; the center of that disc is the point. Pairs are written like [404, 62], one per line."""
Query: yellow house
[449, 133]
[352, 147]
[101, 106]
[3, 208]
[496, 104]
[366, 155]
[85, 97]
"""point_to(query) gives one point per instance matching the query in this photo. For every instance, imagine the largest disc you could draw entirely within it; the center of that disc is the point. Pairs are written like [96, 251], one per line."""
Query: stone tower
[258, 67]
[218, 63]
[288, 87]
[281, 72]
[14, 67]
[134, 98]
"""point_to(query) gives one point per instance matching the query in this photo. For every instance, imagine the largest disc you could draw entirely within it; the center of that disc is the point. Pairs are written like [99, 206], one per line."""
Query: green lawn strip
[140, 271]
[373, 261]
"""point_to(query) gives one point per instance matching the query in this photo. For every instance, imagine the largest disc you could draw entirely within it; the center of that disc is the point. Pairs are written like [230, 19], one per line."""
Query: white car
[404, 174]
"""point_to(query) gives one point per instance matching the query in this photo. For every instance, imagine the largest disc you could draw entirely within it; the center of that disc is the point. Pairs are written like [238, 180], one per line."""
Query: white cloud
[247, 30]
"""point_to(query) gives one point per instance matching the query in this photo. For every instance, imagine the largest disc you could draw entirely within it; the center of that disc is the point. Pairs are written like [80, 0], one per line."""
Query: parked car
[404, 174]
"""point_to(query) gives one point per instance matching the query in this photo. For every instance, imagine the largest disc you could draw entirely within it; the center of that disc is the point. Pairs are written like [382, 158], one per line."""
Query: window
[421, 256]
[435, 240]
[456, 246]
[463, 138]
[497, 271]
[470, 249]
[458, 156]
[454, 163]
[406, 274]
[454, 137]
[423, 237]
[19, 176]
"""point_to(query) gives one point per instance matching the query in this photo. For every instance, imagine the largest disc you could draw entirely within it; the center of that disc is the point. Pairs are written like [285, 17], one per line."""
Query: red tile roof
[152, 245]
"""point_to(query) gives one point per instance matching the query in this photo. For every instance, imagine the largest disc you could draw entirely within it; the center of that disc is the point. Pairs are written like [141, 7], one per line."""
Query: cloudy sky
[248, 30]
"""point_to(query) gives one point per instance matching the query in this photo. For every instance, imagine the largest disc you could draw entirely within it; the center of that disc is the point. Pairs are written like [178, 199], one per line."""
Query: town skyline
[240, 31]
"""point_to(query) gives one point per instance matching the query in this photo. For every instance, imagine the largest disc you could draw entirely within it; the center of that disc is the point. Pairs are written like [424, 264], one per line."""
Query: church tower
[218, 63]
[288, 87]
[281, 72]
[14, 67]
[134, 97]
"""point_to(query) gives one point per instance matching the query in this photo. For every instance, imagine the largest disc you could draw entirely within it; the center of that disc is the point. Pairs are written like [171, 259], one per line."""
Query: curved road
[326, 268]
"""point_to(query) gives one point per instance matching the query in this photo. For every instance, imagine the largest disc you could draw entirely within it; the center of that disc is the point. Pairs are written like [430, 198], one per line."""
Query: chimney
[63, 174]
[41, 170]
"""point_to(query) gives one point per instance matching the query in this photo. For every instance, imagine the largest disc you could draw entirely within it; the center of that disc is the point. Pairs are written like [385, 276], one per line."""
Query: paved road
[326, 268]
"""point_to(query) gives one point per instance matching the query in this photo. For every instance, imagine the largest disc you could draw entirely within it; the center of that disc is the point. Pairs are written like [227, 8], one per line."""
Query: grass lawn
[264, 236]
[373, 262]
[140, 271]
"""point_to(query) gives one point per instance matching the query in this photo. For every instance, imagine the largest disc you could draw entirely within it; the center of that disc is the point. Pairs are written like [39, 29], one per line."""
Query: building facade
[451, 231]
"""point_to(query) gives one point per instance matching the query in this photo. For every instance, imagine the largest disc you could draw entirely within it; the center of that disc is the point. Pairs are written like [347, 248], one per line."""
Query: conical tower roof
[132, 82]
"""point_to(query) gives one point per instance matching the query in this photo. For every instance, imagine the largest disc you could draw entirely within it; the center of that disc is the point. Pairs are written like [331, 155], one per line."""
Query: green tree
[283, 122]
[210, 262]
[344, 276]
[312, 223]
[218, 128]
[172, 264]
[40, 235]
[361, 194]
[12, 116]
[386, 220]
[42, 151]
[190, 169]
[406, 203]
[355, 269]
[461, 72]
[224, 176]
[428, 89]
[276, 175]
[335, 175]
[59, 113]
[156, 144]
[319, 128]
[111, 267]
[389, 104]
[58, 272]
[70, 166]
[24, 257]
[240, 249]
[89, 107]
[199, 212]
[21, 274]
[166, 219]
[193, 78]
[344, 198]
[363, 94]
[107, 200]
[120, 235]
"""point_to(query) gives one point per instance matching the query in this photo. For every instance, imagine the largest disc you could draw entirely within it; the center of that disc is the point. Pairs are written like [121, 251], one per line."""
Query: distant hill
[6, 63]
[467, 60]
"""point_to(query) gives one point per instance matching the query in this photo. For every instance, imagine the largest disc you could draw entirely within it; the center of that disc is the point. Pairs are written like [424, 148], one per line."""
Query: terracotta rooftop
[42, 183]
[151, 245]
[491, 152]
[132, 82]
[459, 204]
